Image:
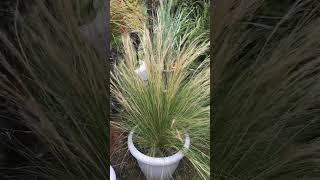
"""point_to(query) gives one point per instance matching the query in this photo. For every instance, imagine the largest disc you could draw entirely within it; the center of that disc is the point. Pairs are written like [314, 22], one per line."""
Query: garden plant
[173, 99]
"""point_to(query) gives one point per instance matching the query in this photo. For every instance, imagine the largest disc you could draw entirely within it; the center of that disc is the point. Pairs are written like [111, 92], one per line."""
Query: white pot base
[157, 168]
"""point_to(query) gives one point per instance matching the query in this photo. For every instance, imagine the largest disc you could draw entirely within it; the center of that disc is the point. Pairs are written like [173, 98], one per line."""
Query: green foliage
[198, 15]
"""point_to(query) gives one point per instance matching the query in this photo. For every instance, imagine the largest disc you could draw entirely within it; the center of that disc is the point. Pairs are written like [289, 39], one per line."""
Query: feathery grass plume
[58, 84]
[266, 91]
[174, 99]
[126, 16]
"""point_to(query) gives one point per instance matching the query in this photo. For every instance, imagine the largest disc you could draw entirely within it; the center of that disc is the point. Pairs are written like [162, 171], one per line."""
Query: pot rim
[157, 161]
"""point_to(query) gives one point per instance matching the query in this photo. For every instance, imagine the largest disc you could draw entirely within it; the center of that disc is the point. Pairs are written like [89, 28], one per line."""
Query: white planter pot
[112, 174]
[157, 168]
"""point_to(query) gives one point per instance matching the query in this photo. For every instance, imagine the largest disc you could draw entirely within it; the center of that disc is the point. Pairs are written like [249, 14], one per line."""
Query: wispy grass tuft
[58, 84]
[126, 16]
[266, 91]
[198, 16]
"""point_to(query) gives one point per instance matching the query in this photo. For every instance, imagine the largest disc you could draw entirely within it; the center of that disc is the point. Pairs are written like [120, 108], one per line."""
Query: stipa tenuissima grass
[174, 99]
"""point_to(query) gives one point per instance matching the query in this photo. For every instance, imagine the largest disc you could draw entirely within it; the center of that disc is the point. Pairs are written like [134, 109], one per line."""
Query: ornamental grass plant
[174, 99]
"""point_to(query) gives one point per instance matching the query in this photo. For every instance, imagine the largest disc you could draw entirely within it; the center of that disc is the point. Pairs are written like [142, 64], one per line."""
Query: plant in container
[166, 113]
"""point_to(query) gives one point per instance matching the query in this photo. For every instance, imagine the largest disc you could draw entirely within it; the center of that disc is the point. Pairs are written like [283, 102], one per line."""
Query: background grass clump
[56, 82]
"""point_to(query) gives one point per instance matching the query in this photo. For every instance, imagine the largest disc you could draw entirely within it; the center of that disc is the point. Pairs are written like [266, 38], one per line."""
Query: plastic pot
[112, 174]
[157, 168]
